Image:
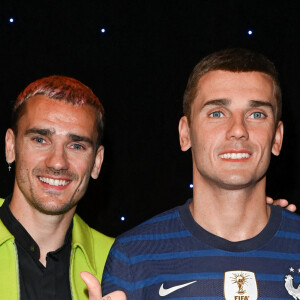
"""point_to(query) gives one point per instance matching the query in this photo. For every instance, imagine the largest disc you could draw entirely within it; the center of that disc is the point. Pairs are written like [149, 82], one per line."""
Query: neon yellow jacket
[89, 251]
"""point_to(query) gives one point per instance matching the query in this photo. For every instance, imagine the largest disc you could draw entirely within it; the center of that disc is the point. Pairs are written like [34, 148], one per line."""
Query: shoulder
[289, 227]
[101, 238]
[162, 231]
[157, 224]
[290, 218]
[83, 234]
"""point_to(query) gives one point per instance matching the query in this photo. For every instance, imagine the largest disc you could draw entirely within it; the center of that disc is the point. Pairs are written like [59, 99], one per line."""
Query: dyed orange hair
[59, 88]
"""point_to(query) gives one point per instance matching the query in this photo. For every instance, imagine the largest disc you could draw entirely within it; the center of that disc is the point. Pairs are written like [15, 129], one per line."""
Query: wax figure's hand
[94, 289]
[283, 203]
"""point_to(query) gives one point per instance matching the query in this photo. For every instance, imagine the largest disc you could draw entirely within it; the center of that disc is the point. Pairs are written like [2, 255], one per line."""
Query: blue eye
[257, 115]
[39, 140]
[216, 114]
[77, 146]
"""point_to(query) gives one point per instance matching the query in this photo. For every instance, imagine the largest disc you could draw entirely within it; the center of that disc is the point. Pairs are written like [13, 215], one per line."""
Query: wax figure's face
[232, 129]
[55, 153]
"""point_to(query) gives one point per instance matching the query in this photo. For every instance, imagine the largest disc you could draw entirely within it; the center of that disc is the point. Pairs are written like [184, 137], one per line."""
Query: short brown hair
[59, 88]
[232, 60]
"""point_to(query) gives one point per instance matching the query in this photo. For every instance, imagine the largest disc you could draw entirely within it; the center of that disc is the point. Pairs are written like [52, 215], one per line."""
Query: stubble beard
[48, 203]
[44, 207]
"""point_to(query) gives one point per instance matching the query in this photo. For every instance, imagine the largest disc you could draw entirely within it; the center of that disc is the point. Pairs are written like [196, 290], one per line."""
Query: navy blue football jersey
[172, 257]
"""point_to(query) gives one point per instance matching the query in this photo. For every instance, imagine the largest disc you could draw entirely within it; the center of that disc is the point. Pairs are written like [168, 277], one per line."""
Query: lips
[54, 182]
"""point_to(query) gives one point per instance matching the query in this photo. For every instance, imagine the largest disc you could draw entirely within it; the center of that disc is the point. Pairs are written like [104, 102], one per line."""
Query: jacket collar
[5, 235]
[82, 238]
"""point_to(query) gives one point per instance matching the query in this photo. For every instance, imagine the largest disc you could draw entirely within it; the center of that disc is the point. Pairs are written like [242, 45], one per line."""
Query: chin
[53, 208]
[236, 183]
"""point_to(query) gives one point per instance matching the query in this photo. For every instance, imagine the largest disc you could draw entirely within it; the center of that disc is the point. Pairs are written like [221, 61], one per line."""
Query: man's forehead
[41, 105]
[58, 116]
[221, 84]
[222, 76]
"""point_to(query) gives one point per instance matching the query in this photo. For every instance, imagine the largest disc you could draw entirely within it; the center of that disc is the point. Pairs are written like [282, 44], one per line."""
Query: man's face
[55, 153]
[232, 129]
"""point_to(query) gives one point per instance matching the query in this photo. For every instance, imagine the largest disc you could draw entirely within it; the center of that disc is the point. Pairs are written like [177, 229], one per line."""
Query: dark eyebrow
[45, 132]
[226, 102]
[48, 132]
[217, 102]
[259, 103]
[79, 138]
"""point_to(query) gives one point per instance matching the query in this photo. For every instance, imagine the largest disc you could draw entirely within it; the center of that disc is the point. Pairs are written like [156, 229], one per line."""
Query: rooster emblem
[289, 285]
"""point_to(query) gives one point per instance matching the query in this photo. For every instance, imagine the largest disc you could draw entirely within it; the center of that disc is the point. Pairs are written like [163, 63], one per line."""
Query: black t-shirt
[36, 281]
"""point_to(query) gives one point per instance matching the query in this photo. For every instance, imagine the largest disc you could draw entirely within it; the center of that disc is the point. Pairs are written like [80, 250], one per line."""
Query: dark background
[139, 68]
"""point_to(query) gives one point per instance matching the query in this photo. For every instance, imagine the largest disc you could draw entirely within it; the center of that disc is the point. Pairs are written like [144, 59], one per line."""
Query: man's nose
[57, 158]
[237, 128]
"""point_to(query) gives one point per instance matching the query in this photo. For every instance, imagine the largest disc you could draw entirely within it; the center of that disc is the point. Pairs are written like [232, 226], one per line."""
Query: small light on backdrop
[122, 219]
[250, 32]
[103, 30]
[11, 20]
[191, 186]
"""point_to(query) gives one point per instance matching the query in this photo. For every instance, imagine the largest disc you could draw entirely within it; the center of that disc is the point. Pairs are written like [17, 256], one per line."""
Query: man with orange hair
[55, 142]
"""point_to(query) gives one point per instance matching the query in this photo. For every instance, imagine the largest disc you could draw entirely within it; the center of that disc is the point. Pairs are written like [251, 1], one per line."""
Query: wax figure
[55, 144]
[226, 242]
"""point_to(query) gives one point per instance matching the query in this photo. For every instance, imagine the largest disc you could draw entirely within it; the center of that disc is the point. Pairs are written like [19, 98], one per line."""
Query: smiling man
[55, 142]
[226, 242]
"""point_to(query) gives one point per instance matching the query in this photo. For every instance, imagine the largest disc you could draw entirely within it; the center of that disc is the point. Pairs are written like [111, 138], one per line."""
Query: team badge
[291, 284]
[240, 285]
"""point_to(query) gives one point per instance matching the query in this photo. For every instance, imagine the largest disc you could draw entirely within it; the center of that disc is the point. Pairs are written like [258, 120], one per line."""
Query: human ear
[98, 162]
[10, 141]
[184, 134]
[278, 138]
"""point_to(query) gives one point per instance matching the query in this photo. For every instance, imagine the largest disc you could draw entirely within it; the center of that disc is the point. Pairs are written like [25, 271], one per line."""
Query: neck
[234, 215]
[48, 231]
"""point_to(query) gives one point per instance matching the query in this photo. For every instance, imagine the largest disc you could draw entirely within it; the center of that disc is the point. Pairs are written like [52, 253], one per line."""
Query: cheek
[204, 148]
[24, 161]
[22, 172]
[208, 135]
[28, 156]
[82, 167]
[263, 143]
[263, 138]
[83, 170]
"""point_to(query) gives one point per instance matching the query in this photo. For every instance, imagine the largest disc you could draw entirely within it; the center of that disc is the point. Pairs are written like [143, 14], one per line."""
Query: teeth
[54, 182]
[234, 155]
